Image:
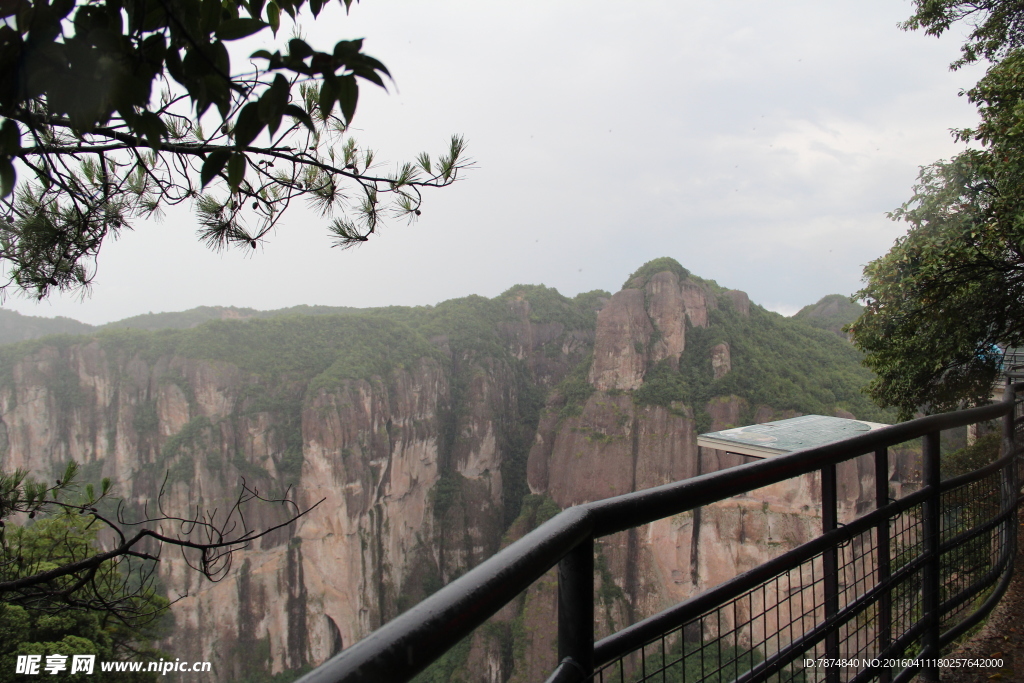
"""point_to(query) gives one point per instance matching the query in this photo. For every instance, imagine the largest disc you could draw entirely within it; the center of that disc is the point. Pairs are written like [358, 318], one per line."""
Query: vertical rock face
[620, 345]
[696, 301]
[407, 470]
[615, 447]
[642, 325]
[739, 300]
[371, 453]
[422, 467]
[665, 305]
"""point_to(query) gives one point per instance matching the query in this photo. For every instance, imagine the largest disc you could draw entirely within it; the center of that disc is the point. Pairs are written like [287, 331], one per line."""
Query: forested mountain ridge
[433, 433]
[15, 327]
[832, 313]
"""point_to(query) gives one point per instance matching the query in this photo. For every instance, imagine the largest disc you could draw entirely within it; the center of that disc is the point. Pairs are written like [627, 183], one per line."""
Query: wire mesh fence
[874, 625]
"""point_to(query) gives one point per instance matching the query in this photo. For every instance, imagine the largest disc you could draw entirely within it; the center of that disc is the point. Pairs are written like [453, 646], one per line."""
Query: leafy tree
[997, 26]
[950, 290]
[44, 629]
[105, 104]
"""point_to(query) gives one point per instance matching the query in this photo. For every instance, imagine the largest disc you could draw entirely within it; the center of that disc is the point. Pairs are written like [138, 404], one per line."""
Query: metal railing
[885, 592]
[1011, 365]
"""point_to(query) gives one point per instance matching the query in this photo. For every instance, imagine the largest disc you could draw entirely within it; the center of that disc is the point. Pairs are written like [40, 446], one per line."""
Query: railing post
[884, 561]
[576, 606]
[1010, 444]
[1009, 481]
[931, 571]
[830, 566]
[1015, 415]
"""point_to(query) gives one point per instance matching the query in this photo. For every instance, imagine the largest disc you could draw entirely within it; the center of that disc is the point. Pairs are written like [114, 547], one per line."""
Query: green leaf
[151, 126]
[369, 75]
[328, 94]
[174, 66]
[210, 16]
[273, 101]
[347, 48]
[61, 8]
[255, 8]
[221, 58]
[299, 49]
[10, 138]
[288, 6]
[315, 6]
[369, 62]
[236, 170]
[348, 95]
[300, 114]
[8, 177]
[248, 125]
[274, 16]
[213, 165]
[154, 19]
[195, 65]
[234, 29]
[154, 48]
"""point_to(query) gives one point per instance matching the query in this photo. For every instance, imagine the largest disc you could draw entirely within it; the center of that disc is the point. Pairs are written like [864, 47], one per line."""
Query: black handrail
[408, 644]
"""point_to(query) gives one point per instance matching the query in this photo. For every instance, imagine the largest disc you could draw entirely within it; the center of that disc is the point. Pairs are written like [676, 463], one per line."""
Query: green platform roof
[785, 436]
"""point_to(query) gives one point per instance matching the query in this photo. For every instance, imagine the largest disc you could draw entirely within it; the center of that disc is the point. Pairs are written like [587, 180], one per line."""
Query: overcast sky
[758, 143]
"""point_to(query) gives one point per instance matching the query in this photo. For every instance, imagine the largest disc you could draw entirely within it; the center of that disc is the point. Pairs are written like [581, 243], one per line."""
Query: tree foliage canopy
[951, 289]
[117, 109]
[997, 26]
[49, 627]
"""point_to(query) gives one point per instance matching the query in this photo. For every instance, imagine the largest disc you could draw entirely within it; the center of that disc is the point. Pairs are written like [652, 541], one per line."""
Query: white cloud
[758, 143]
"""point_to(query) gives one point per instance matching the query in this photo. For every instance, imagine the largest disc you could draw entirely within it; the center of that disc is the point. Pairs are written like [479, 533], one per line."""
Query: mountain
[435, 435]
[831, 313]
[15, 327]
[197, 316]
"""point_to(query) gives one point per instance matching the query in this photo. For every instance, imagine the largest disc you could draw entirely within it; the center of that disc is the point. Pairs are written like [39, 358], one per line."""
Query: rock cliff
[433, 436]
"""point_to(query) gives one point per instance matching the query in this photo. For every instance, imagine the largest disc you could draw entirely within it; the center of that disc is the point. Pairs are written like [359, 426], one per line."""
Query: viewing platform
[771, 439]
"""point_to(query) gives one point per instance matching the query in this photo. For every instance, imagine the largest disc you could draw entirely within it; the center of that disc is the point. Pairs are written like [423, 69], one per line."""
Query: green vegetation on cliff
[290, 358]
[548, 306]
[789, 368]
[642, 275]
[775, 362]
